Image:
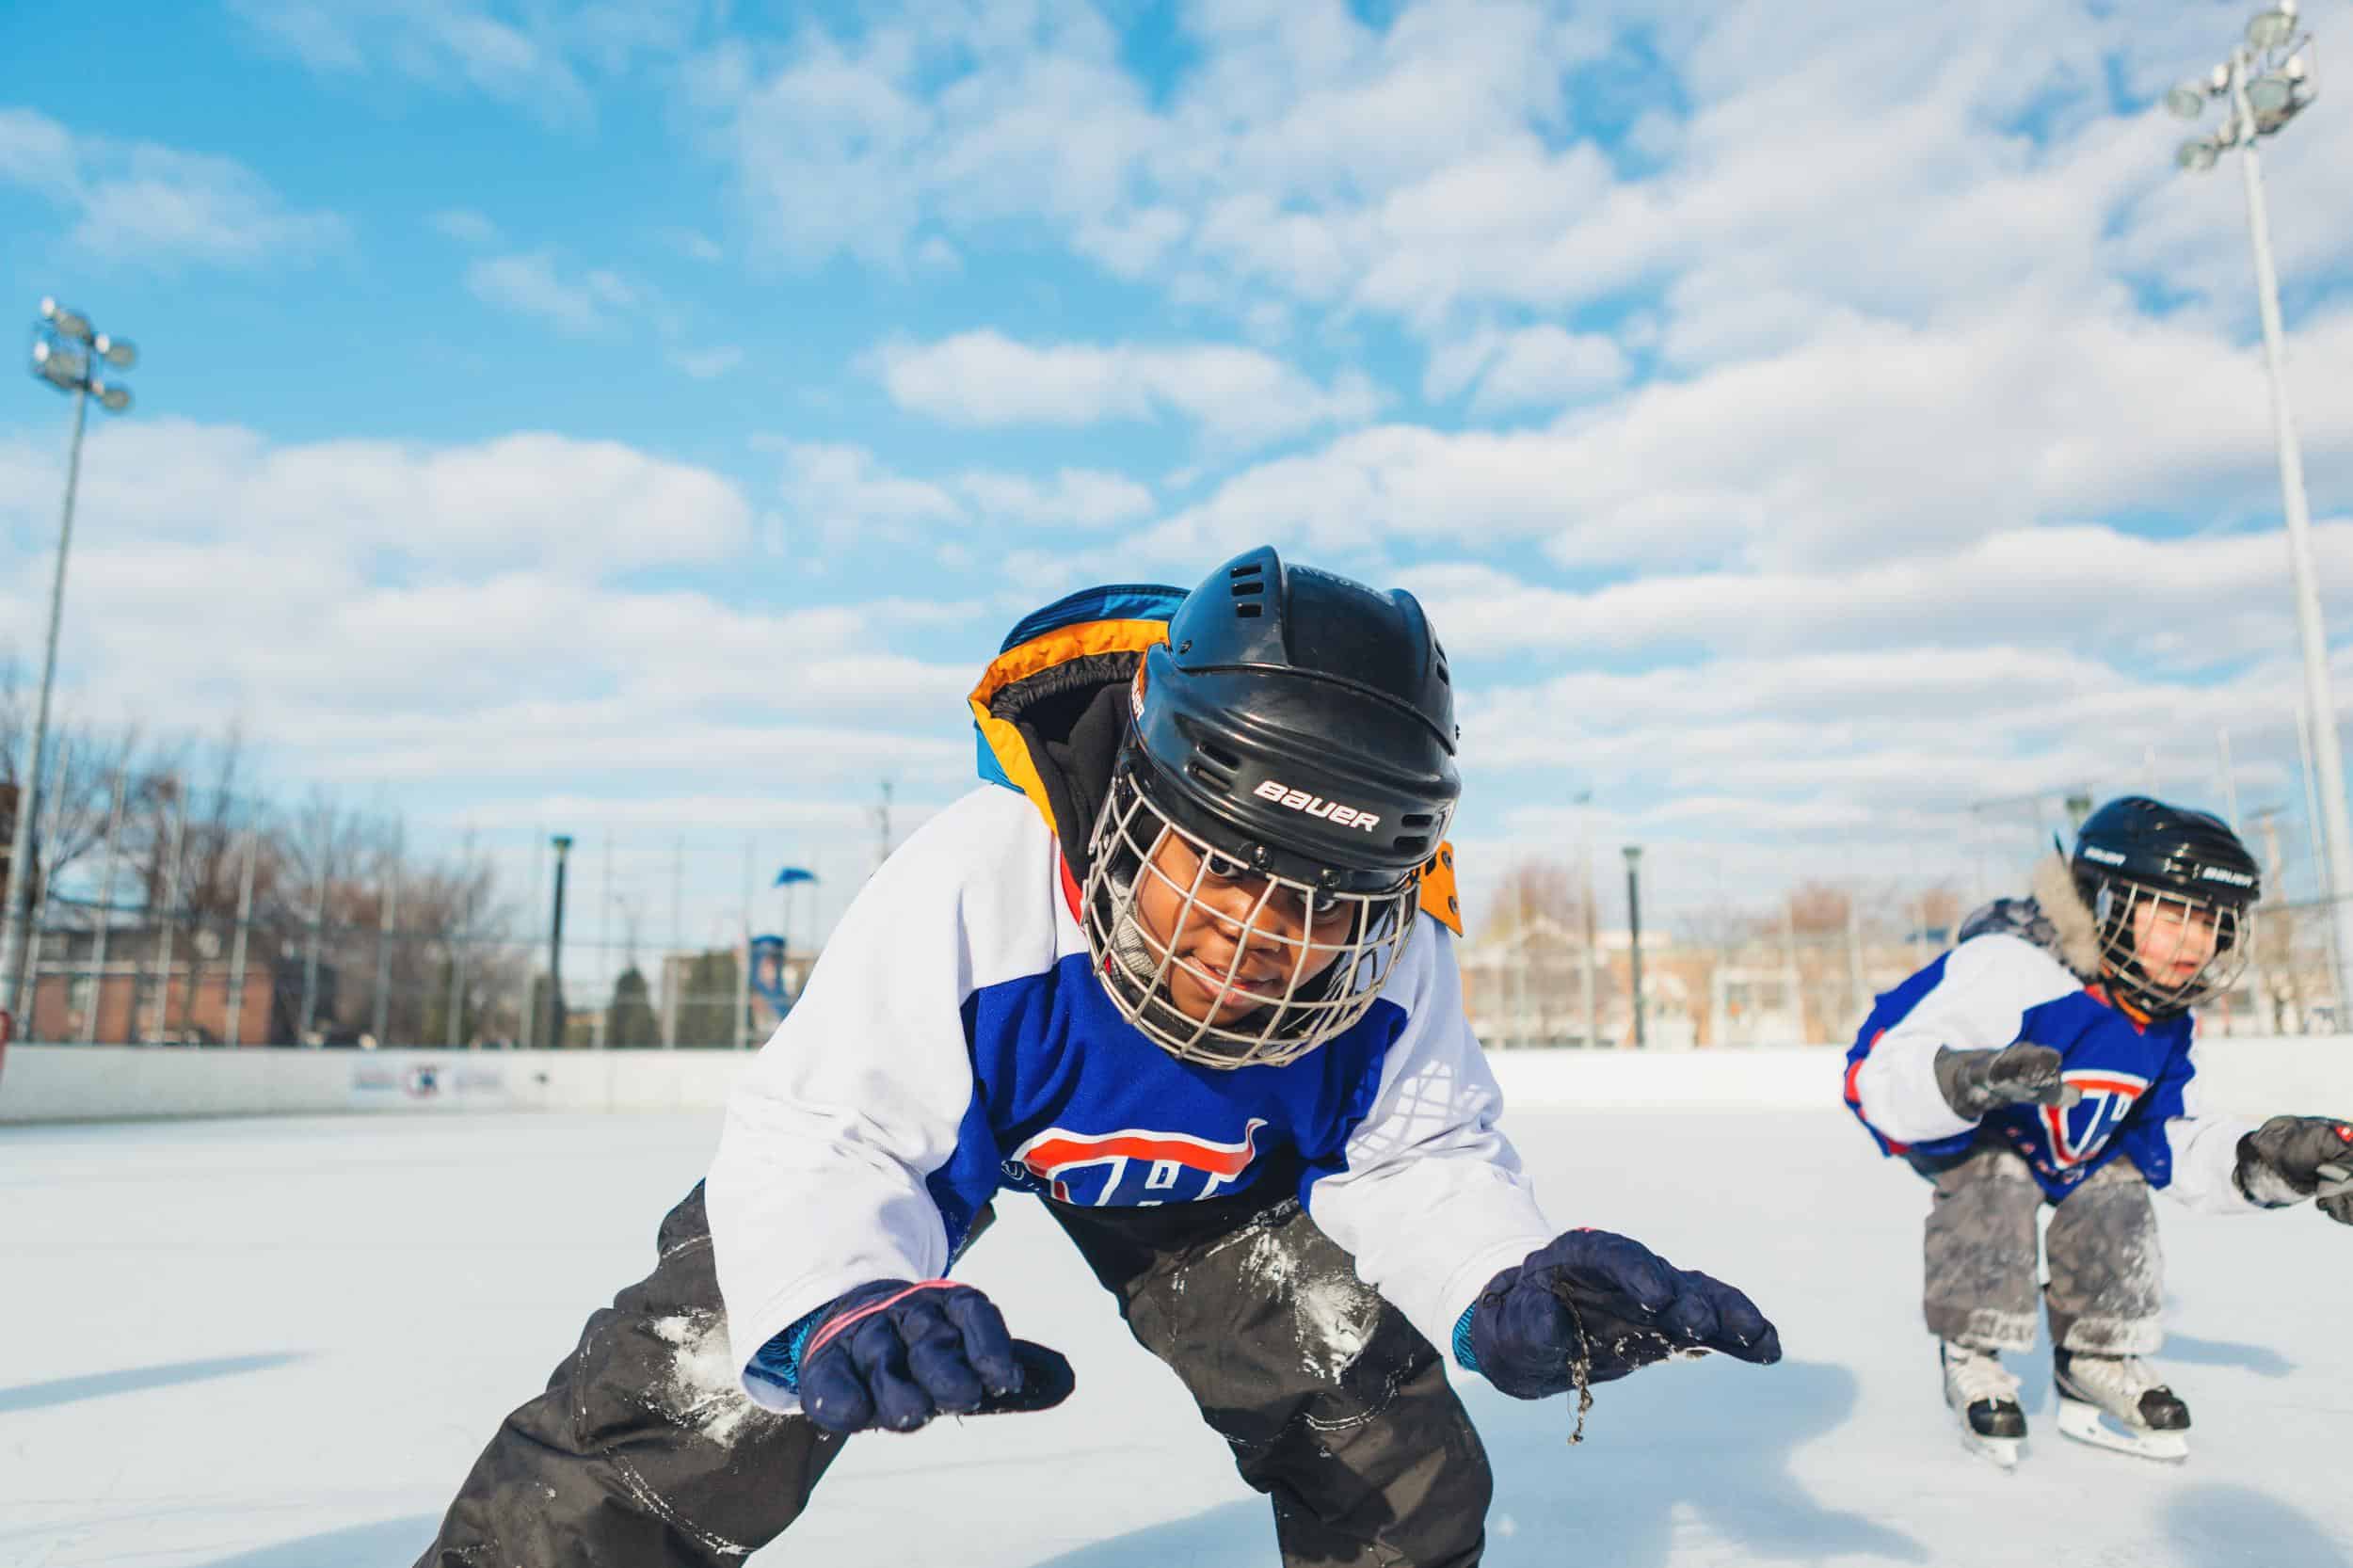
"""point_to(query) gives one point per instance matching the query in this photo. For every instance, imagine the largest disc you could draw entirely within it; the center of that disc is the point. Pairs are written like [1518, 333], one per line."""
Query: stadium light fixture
[2271, 94]
[2187, 100]
[64, 347]
[118, 352]
[2265, 81]
[71, 325]
[2270, 29]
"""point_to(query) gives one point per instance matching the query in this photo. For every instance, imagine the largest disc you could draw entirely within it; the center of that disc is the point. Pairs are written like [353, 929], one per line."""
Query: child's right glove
[1591, 1295]
[1977, 1081]
[2290, 1158]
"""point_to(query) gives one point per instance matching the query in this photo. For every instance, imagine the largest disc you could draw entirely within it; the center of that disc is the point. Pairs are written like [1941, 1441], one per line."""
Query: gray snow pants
[2108, 1273]
[643, 1453]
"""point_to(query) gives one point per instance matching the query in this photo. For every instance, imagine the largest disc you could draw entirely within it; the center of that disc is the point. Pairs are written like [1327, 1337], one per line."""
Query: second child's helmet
[2146, 867]
[1288, 769]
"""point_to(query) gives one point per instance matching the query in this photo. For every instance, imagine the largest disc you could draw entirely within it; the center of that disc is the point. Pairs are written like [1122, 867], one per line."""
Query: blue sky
[646, 417]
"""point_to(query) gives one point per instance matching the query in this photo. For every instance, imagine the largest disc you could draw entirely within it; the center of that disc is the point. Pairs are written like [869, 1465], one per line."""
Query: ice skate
[1985, 1396]
[2116, 1402]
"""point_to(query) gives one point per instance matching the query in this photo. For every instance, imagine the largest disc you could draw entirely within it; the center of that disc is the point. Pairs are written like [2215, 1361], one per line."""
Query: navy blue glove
[1607, 1298]
[895, 1353]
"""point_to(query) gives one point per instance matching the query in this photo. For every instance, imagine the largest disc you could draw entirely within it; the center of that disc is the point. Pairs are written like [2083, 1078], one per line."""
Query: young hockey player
[1181, 969]
[2047, 1059]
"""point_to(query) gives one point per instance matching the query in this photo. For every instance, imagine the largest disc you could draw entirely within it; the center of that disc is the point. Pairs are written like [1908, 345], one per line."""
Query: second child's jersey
[2138, 1080]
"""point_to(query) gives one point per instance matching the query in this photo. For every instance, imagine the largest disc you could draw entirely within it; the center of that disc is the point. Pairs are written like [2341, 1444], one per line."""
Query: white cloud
[465, 226]
[1238, 396]
[843, 493]
[531, 284]
[374, 611]
[705, 364]
[543, 60]
[694, 244]
[1542, 366]
[1079, 498]
[2161, 604]
[575, 509]
[141, 204]
[1862, 444]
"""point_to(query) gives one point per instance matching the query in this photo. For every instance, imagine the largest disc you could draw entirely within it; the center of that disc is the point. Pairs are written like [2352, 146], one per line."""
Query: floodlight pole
[13, 945]
[2328, 756]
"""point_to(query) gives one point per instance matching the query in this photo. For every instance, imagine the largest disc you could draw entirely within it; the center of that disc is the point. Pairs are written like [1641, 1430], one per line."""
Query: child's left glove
[1590, 1294]
[2290, 1158]
[897, 1353]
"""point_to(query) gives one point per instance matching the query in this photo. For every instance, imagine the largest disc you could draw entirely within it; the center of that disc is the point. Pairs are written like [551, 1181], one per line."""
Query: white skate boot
[1985, 1396]
[2116, 1402]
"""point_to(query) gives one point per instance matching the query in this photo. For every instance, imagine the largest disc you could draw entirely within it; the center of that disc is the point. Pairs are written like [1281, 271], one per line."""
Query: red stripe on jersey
[1054, 1154]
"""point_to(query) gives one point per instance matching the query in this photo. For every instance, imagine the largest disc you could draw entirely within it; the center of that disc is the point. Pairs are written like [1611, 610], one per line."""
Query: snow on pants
[644, 1454]
[2108, 1272]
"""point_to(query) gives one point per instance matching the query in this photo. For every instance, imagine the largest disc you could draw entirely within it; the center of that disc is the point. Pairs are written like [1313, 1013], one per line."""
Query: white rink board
[280, 1343]
[68, 1083]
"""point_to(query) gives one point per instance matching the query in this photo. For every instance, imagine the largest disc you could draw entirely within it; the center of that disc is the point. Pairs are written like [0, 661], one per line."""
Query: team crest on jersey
[2081, 1130]
[1131, 1168]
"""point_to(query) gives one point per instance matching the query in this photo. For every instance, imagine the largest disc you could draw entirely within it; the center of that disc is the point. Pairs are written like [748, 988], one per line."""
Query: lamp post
[66, 352]
[2267, 82]
[1634, 931]
[1585, 873]
[563, 842]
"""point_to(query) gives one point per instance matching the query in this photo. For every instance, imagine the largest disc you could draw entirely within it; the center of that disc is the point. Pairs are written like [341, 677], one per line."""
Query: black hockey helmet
[1297, 732]
[2186, 868]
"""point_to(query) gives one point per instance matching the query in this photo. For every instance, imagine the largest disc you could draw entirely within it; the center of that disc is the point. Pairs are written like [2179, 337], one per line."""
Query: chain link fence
[169, 912]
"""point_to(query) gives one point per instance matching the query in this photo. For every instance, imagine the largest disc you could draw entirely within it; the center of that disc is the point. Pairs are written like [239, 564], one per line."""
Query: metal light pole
[66, 354]
[563, 842]
[1634, 932]
[2265, 83]
[1585, 873]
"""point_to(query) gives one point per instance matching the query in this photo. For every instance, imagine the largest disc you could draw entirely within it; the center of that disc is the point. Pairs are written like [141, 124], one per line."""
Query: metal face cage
[2177, 924]
[1274, 966]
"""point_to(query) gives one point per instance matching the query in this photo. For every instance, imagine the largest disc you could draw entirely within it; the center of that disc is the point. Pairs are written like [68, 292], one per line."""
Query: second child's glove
[1607, 1301]
[895, 1353]
[2290, 1158]
[1975, 1083]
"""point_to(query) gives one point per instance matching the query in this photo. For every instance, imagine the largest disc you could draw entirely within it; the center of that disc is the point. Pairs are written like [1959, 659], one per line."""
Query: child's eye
[1226, 868]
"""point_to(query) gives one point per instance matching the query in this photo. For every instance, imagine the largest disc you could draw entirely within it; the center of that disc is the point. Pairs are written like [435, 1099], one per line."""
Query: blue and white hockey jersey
[2138, 1081]
[953, 1041]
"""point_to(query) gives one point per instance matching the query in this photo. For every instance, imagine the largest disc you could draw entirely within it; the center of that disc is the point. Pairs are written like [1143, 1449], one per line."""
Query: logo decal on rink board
[2082, 1129]
[1133, 1167]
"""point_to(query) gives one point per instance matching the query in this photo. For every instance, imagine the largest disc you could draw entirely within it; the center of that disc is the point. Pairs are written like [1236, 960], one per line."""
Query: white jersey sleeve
[1980, 1003]
[818, 1185]
[1431, 1198]
[2204, 1148]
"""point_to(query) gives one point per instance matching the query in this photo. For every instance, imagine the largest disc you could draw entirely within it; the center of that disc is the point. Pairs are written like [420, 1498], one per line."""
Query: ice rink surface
[279, 1344]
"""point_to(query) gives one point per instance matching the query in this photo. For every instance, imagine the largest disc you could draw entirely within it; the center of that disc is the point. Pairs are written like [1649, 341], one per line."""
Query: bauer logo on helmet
[1316, 805]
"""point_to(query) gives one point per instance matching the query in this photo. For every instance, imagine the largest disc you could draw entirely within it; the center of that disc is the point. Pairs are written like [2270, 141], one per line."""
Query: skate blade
[2002, 1451]
[2089, 1423]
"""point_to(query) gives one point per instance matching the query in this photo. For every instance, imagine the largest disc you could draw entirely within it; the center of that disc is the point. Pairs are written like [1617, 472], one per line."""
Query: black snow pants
[644, 1454]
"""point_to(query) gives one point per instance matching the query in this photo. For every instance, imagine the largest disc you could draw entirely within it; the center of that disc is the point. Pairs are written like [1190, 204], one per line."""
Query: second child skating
[2047, 1060]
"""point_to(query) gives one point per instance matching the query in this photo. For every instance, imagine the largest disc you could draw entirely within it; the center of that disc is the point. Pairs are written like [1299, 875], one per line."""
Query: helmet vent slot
[1216, 778]
[1219, 755]
[1416, 819]
[1412, 844]
[1249, 609]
